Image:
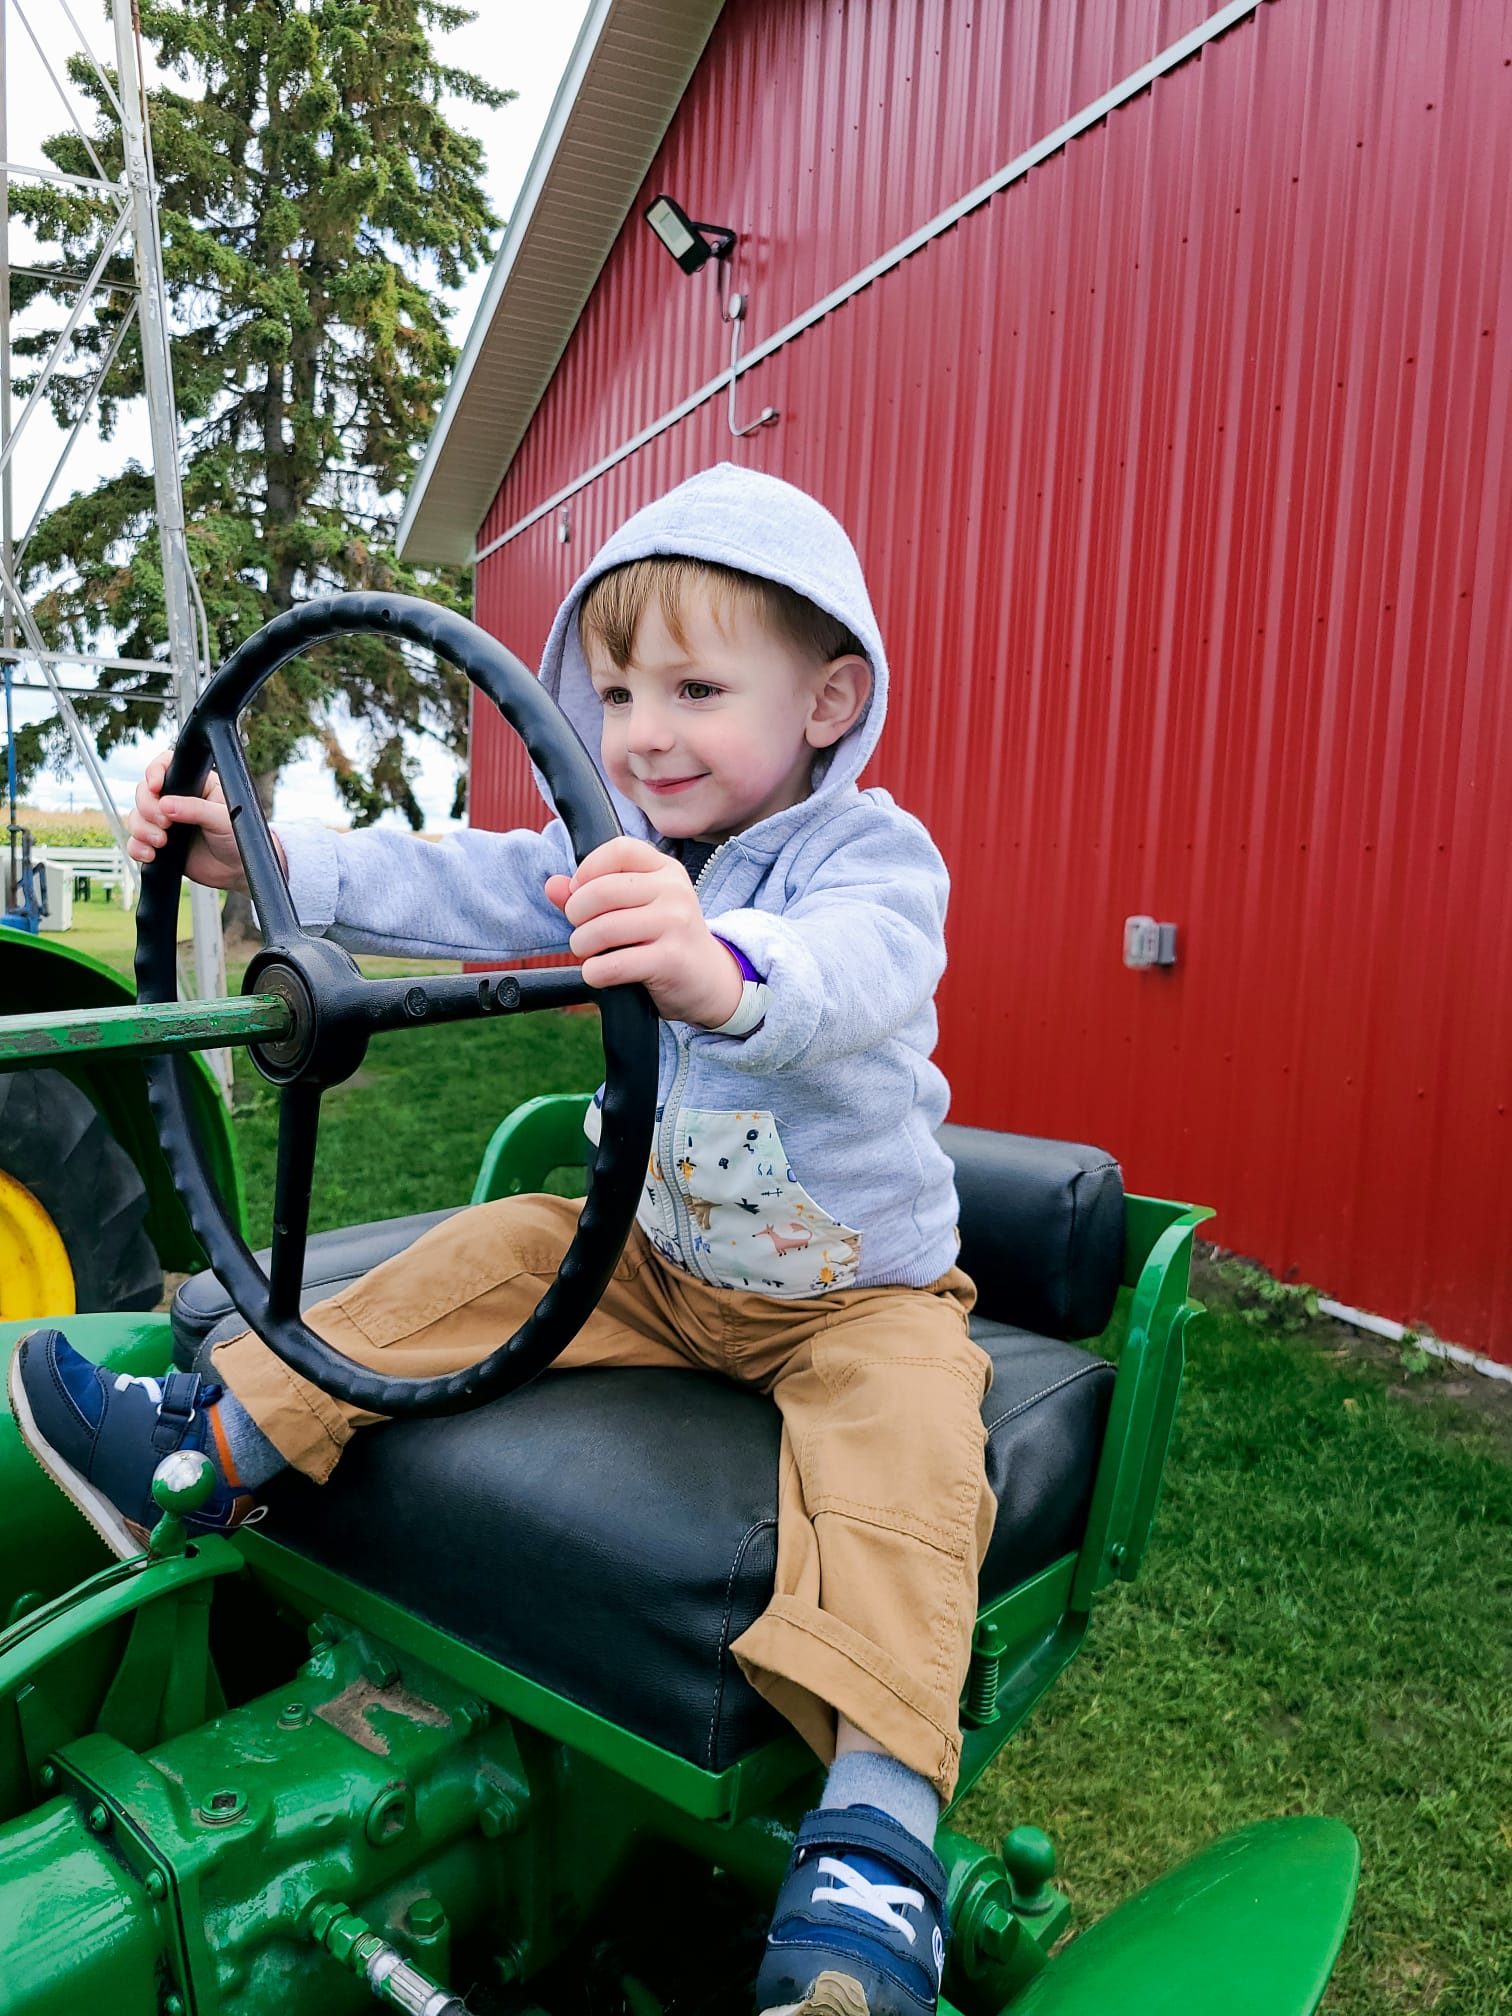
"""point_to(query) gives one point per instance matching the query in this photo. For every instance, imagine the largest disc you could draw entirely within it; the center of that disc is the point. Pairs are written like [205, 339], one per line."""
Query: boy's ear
[843, 691]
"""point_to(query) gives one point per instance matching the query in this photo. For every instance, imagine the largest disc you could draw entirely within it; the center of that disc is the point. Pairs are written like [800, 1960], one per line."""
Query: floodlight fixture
[691, 245]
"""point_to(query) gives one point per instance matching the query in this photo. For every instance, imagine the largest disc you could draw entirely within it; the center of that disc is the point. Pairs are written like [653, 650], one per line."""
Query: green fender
[39, 976]
[1250, 1927]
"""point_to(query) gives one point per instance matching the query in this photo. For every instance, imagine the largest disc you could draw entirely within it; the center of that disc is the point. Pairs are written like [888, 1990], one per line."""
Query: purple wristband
[747, 970]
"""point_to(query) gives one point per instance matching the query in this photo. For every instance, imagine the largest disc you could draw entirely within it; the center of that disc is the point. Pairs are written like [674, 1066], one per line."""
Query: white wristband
[749, 1015]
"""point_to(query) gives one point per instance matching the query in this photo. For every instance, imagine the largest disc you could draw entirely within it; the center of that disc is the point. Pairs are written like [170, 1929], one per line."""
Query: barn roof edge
[622, 84]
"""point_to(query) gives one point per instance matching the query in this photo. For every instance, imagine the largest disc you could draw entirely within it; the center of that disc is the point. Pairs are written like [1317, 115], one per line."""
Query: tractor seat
[610, 1535]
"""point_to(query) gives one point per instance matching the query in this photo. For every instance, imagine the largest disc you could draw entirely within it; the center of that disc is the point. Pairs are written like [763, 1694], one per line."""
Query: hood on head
[734, 518]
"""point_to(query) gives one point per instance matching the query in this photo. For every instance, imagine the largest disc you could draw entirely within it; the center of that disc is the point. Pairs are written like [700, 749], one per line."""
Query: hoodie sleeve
[472, 896]
[850, 961]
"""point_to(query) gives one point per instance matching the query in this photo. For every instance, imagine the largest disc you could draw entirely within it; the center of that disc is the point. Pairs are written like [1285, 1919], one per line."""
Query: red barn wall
[1180, 471]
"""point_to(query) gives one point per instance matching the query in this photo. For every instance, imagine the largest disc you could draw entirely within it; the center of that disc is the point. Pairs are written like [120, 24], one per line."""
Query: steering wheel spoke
[298, 1127]
[254, 842]
[463, 997]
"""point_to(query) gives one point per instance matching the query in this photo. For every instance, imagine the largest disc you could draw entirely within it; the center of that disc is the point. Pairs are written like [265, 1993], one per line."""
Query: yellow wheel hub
[35, 1277]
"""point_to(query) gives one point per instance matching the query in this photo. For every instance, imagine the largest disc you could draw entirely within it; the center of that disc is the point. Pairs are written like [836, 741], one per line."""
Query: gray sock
[254, 1456]
[862, 1778]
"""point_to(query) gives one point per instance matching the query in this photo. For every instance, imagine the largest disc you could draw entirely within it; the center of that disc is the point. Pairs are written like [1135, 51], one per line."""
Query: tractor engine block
[193, 1877]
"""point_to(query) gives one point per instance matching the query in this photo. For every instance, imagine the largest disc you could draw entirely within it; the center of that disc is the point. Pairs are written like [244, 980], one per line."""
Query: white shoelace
[125, 1381]
[877, 1900]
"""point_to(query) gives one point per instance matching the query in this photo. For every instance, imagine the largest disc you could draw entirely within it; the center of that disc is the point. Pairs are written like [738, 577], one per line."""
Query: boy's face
[709, 736]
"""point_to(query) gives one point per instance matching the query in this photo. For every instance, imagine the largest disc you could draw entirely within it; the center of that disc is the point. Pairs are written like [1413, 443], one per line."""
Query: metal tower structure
[133, 195]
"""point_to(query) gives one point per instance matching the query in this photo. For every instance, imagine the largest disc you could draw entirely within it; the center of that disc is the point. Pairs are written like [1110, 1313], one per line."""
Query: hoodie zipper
[682, 1218]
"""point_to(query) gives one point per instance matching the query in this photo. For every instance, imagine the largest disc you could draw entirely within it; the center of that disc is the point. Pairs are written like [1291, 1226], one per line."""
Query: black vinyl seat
[610, 1536]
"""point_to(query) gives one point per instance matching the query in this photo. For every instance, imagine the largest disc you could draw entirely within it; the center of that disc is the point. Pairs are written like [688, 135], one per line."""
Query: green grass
[1321, 1625]
[107, 932]
[408, 1131]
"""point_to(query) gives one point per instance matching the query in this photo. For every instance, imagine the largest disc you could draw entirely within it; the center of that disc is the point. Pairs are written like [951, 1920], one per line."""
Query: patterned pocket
[754, 1224]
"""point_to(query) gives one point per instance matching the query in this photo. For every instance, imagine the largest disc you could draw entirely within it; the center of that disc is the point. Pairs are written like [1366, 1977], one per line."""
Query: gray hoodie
[801, 1157]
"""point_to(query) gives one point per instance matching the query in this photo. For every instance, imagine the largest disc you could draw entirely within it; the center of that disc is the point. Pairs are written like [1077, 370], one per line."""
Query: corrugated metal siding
[1181, 474]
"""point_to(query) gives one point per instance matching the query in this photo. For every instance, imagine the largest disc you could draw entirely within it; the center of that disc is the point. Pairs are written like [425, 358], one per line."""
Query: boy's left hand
[636, 917]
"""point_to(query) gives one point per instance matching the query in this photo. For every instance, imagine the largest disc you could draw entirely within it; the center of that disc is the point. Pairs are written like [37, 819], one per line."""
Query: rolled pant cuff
[811, 1667]
[301, 1422]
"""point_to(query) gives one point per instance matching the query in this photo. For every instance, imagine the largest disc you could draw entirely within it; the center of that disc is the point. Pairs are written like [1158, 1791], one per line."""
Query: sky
[523, 47]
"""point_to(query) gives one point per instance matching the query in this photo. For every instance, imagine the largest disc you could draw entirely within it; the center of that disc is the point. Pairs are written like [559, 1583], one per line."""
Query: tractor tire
[55, 1142]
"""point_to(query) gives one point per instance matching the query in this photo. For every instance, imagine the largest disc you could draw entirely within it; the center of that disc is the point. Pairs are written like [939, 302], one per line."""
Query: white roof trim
[622, 84]
[515, 232]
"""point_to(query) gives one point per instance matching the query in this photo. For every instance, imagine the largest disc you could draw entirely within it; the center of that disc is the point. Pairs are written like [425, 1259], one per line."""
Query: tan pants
[884, 1512]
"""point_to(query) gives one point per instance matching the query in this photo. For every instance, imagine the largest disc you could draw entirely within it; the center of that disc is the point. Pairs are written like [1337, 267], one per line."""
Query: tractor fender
[1251, 1926]
[40, 976]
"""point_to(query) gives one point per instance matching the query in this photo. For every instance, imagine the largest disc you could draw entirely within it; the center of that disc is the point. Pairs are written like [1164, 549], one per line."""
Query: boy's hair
[611, 610]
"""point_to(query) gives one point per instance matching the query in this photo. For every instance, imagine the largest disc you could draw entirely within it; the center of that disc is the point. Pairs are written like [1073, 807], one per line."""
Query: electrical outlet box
[1148, 943]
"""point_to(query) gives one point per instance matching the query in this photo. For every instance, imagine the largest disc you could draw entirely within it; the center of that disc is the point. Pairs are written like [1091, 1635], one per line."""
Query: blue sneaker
[101, 1435]
[860, 1925]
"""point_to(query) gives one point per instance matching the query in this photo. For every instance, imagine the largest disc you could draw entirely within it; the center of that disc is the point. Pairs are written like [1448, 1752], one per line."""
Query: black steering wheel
[335, 1010]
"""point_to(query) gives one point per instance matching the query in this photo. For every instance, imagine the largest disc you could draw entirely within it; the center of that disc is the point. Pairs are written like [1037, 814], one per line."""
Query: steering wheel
[335, 1010]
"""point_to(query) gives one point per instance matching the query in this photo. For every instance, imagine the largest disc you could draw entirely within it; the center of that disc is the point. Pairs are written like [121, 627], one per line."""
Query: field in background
[85, 828]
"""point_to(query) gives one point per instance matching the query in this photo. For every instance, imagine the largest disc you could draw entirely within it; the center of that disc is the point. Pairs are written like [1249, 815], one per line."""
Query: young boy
[797, 1228]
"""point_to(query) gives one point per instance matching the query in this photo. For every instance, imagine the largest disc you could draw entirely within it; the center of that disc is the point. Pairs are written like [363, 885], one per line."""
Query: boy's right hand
[213, 858]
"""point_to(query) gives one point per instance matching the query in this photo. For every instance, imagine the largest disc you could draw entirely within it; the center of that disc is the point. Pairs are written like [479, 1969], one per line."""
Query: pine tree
[313, 196]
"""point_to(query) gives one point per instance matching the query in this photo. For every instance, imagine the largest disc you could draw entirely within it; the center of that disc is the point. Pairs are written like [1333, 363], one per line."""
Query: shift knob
[181, 1484]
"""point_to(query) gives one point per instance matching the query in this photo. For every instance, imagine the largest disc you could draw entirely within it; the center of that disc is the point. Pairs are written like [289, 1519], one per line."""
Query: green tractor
[401, 1742]
[89, 1216]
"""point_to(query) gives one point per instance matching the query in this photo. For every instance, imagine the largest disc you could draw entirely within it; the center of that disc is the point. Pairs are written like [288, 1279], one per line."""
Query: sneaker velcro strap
[832, 1827]
[181, 1392]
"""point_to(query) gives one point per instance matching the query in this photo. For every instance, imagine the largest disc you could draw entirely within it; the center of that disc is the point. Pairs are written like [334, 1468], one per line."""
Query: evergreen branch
[311, 192]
